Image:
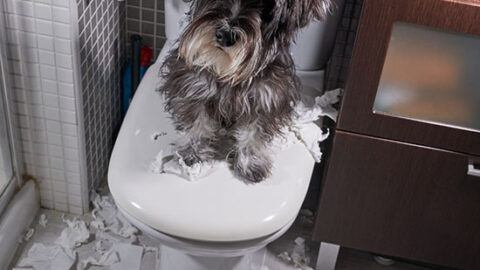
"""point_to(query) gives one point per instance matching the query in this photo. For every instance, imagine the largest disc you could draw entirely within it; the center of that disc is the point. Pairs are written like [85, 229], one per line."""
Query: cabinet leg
[327, 256]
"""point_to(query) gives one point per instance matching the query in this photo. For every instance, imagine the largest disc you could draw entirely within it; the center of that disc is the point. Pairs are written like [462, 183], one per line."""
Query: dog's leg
[197, 145]
[252, 158]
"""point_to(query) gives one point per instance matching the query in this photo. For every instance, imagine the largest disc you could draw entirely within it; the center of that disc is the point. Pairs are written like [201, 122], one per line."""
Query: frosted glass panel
[431, 75]
[6, 171]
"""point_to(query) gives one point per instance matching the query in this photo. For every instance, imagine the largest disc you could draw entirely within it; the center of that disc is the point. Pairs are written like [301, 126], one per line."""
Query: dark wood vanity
[403, 176]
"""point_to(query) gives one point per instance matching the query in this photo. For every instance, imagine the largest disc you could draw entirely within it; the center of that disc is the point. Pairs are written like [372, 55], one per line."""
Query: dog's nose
[225, 38]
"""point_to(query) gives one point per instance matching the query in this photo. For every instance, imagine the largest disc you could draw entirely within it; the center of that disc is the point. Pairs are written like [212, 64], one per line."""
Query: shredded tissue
[112, 242]
[304, 130]
[43, 220]
[42, 257]
[298, 257]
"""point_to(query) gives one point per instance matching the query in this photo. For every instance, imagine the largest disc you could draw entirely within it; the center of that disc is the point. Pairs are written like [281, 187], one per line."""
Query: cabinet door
[415, 74]
[401, 200]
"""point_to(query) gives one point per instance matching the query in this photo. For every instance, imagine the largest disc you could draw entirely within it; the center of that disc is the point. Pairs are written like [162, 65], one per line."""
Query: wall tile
[24, 8]
[61, 14]
[63, 60]
[102, 52]
[40, 40]
[44, 27]
[49, 86]
[146, 18]
[43, 11]
[47, 58]
[63, 46]
[48, 72]
[61, 30]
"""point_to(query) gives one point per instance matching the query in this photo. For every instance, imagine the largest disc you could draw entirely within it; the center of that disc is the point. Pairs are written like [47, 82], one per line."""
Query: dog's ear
[302, 12]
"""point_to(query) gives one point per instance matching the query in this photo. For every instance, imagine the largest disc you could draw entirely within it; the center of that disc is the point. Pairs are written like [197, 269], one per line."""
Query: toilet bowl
[217, 222]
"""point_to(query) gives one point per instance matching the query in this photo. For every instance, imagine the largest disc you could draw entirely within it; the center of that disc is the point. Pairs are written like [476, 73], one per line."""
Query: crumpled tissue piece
[29, 234]
[106, 259]
[73, 236]
[304, 127]
[41, 257]
[43, 220]
[298, 257]
[176, 165]
[106, 217]
[130, 256]
[157, 165]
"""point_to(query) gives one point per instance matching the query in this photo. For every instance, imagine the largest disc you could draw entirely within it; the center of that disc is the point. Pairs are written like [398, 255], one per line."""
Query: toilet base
[172, 259]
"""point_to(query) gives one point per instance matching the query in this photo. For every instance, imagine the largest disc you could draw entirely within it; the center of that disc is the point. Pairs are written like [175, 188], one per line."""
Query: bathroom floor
[348, 259]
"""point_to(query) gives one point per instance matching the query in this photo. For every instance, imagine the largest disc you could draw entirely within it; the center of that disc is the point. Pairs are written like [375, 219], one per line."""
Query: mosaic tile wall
[102, 50]
[40, 43]
[146, 18]
[339, 64]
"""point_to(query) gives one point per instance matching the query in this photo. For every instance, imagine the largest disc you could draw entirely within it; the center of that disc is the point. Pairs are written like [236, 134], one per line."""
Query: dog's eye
[268, 7]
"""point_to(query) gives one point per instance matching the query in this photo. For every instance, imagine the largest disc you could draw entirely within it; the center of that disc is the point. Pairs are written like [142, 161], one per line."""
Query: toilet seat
[207, 249]
[218, 207]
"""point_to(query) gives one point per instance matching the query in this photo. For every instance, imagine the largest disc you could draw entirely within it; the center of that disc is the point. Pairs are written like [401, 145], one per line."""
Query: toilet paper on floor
[42, 257]
[73, 236]
[113, 247]
[106, 259]
[43, 220]
[107, 218]
[298, 257]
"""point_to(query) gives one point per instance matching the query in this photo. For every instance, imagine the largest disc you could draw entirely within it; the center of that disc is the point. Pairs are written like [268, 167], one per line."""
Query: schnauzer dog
[231, 80]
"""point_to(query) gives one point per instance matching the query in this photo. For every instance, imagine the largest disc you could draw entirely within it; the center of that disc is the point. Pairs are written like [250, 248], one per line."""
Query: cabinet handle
[473, 170]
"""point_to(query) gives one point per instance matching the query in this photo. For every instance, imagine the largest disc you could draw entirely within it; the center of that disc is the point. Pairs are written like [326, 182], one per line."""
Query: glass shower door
[6, 169]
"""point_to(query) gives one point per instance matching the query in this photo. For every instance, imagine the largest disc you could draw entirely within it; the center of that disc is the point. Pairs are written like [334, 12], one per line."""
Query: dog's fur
[240, 95]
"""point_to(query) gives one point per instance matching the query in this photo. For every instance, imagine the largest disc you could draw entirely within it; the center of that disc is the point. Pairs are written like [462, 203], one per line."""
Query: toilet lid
[218, 207]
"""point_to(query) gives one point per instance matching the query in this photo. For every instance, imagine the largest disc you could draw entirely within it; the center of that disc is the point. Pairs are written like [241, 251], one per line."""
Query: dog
[230, 83]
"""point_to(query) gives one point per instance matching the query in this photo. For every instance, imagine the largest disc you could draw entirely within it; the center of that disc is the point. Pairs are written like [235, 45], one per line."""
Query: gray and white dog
[231, 82]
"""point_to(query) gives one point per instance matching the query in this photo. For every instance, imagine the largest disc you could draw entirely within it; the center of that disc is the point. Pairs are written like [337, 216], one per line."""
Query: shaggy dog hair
[231, 81]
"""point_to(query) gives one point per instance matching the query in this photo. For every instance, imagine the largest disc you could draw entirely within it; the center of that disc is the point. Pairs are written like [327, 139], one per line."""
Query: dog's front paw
[189, 156]
[254, 168]
[193, 156]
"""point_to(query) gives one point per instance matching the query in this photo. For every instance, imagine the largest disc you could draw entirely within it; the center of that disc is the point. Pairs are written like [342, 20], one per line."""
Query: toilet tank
[311, 50]
[175, 13]
[314, 43]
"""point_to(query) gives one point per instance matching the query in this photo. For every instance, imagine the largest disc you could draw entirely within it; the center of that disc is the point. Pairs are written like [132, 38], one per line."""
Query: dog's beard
[199, 49]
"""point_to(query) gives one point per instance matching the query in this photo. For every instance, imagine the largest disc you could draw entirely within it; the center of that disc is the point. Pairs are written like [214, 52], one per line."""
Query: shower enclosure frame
[17, 170]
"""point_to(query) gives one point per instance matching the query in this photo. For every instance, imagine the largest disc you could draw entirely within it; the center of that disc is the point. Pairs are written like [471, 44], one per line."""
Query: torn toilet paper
[298, 257]
[73, 236]
[303, 130]
[175, 164]
[43, 220]
[41, 257]
[106, 259]
[112, 242]
[106, 217]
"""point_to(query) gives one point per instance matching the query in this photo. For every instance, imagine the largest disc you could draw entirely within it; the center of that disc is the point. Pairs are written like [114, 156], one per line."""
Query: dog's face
[236, 39]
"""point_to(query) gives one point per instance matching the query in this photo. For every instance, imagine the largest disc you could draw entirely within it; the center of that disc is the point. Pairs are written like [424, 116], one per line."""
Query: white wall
[42, 54]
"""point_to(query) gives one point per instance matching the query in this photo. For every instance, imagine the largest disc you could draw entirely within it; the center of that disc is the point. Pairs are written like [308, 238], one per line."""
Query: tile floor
[348, 259]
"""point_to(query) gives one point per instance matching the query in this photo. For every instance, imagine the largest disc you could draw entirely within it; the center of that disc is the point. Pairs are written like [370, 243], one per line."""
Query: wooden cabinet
[401, 200]
[379, 20]
[402, 177]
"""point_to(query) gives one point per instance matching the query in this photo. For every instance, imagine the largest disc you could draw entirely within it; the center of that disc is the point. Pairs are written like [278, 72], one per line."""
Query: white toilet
[217, 222]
